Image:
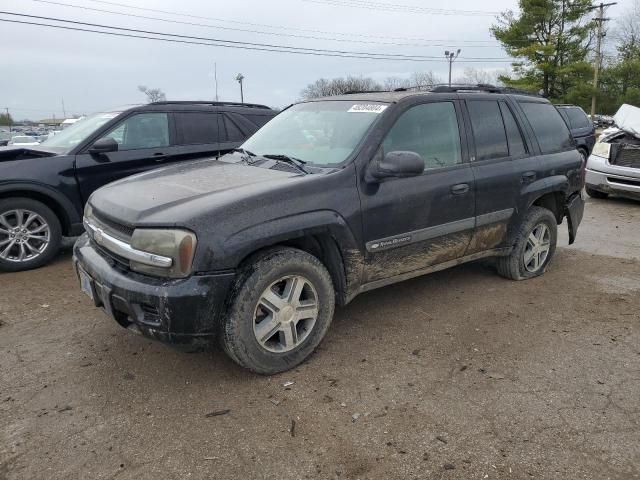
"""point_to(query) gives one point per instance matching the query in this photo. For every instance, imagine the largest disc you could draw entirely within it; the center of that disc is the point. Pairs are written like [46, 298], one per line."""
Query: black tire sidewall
[237, 336]
[54, 228]
[536, 216]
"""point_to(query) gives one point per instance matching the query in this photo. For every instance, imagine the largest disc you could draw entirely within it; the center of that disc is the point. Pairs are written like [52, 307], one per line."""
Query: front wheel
[534, 246]
[30, 234]
[282, 307]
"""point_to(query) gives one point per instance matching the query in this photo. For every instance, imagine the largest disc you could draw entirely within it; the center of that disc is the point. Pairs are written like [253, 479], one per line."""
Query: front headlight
[602, 150]
[88, 211]
[179, 245]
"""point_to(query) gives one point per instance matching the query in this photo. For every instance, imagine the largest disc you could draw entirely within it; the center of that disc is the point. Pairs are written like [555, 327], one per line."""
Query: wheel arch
[62, 207]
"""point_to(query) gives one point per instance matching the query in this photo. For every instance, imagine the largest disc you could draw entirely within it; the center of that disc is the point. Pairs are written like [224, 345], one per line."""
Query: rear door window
[547, 124]
[517, 147]
[488, 129]
[195, 128]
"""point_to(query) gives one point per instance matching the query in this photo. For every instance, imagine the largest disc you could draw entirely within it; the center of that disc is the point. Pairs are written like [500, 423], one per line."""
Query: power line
[279, 34]
[281, 27]
[394, 7]
[236, 43]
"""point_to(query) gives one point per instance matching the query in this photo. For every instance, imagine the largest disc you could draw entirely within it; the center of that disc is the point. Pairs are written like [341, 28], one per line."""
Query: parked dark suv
[43, 188]
[581, 127]
[332, 198]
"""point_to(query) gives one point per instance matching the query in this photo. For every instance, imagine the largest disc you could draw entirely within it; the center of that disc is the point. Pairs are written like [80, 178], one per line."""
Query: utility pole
[451, 56]
[240, 78]
[600, 35]
[215, 77]
[8, 117]
[64, 112]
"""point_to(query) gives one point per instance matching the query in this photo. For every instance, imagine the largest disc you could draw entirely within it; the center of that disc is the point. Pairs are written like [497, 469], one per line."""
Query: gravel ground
[456, 375]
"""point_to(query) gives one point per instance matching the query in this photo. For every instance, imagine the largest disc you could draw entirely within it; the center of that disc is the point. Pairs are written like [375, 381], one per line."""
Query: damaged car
[614, 165]
[334, 197]
[43, 188]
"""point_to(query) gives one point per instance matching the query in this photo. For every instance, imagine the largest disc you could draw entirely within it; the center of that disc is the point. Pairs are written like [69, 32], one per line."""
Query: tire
[596, 193]
[42, 222]
[259, 330]
[515, 266]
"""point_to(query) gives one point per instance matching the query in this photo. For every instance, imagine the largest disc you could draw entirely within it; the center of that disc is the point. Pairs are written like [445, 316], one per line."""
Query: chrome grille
[123, 232]
[628, 156]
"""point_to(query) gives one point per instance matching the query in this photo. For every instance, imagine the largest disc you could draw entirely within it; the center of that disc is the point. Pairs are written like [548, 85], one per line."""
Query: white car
[23, 140]
[614, 164]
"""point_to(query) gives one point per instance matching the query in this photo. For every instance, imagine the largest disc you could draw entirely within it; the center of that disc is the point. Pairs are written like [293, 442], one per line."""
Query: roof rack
[480, 87]
[208, 102]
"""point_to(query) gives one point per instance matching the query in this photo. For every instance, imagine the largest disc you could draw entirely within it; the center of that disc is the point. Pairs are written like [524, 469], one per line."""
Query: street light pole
[240, 78]
[451, 56]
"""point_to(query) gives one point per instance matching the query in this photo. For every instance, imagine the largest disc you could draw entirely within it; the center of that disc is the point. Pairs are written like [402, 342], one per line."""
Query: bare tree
[153, 94]
[424, 80]
[393, 83]
[478, 75]
[337, 86]
[627, 32]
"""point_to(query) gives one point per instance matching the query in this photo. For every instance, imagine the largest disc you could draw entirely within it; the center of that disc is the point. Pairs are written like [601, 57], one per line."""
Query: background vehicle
[4, 138]
[614, 165]
[43, 188]
[334, 197]
[23, 140]
[582, 129]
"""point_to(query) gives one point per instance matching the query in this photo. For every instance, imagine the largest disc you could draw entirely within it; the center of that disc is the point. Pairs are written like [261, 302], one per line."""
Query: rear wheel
[595, 193]
[534, 246]
[282, 307]
[30, 234]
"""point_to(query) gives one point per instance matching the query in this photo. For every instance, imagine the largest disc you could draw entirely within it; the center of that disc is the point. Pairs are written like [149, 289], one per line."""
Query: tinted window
[234, 134]
[258, 120]
[488, 130]
[430, 130]
[145, 130]
[196, 127]
[577, 118]
[517, 147]
[551, 131]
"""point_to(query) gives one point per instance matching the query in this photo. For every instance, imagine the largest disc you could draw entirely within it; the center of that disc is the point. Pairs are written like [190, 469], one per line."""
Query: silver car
[614, 164]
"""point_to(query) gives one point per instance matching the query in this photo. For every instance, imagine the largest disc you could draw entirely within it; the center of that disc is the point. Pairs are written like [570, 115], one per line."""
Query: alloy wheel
[537, 249]
[285, 314]
[24, 235]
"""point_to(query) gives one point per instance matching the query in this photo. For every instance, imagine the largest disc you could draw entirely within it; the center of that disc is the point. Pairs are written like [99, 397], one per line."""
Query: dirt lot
[457, 375]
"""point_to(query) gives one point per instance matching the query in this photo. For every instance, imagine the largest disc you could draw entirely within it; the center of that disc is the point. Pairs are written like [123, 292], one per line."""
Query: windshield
[320, 133]
[79, 131]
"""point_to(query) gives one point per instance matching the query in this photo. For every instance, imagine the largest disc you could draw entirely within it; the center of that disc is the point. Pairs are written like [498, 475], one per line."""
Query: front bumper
[612, 183]
[177, 311]
[605, 177]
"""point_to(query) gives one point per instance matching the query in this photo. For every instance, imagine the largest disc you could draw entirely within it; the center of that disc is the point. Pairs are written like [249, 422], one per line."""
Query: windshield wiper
[246, 154]
[296, 162]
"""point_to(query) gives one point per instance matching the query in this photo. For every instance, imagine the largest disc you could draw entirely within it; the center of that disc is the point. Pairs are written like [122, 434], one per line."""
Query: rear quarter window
[548, 126]
[258, 120]
[577, 118]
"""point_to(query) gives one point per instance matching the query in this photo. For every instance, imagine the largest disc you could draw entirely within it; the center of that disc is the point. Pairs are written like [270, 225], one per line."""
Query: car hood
[627, 118]
[23, 152]
[176, 195]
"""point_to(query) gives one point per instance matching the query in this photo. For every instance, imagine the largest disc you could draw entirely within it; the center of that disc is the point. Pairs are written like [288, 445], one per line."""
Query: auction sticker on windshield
[367, 108]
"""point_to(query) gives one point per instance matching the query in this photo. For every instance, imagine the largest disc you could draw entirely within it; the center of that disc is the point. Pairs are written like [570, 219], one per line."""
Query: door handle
[159, 157]
[460, 189]
[528, 177]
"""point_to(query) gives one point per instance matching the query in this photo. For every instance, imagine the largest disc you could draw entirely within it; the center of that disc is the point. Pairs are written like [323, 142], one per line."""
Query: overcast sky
[42, 66]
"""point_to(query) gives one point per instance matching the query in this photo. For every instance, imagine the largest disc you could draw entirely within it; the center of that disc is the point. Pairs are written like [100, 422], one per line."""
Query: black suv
[43, 188]
[582, 129]
[332, 198]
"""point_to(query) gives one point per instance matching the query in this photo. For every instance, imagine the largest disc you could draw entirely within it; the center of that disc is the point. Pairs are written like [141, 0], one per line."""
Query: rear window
[577, 118]
[547, 124]
[196, 128]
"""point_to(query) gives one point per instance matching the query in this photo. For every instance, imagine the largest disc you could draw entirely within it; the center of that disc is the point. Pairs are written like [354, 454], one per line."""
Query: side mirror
[104, 145]
[396, 164]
